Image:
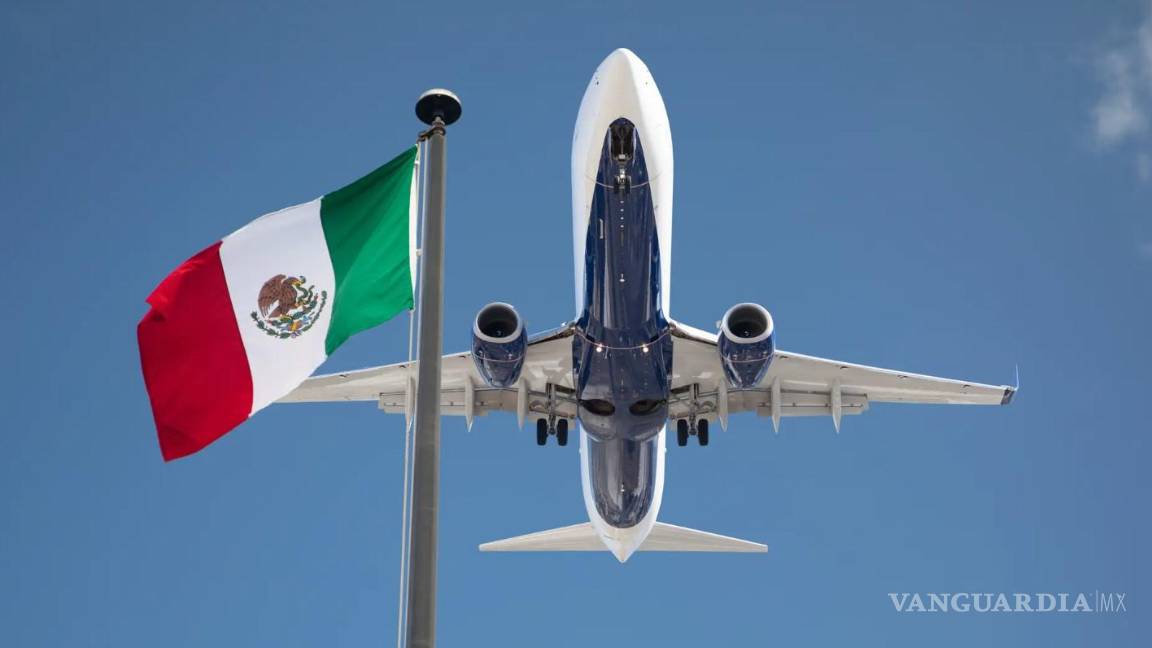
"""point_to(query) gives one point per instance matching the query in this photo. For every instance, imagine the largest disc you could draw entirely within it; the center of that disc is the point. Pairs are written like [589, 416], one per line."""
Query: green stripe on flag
[366, 229]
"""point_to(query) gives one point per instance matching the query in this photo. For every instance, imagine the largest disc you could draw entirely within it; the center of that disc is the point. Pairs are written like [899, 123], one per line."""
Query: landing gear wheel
[702, 431]
[562, 432]
[541, 431]
[682, 432]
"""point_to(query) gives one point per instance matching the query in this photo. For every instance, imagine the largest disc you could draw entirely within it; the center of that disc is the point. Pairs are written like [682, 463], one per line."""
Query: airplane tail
[663, 537]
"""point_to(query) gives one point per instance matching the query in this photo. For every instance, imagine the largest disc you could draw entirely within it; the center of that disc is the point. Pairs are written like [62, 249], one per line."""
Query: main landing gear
[553, 425]
[558, 428]
[694, 424]
[685, 428]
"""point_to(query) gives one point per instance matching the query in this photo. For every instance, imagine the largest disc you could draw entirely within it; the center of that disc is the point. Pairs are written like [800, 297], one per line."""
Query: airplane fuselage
[622, 354]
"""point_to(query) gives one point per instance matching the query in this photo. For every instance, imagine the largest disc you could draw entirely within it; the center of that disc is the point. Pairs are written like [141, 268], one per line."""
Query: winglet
[1010, 392]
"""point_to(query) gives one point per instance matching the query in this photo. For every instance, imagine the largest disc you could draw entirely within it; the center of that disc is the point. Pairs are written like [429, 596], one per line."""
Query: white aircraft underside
[622, 177]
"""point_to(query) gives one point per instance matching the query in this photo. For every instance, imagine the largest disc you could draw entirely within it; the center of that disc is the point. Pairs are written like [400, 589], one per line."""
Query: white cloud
[1122, 114]
[1144, 45]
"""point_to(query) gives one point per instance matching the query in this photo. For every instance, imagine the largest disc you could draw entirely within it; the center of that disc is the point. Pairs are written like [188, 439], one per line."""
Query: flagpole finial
[438, 103]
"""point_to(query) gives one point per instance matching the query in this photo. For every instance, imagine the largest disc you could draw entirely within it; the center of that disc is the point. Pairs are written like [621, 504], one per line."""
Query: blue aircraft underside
[622, 355]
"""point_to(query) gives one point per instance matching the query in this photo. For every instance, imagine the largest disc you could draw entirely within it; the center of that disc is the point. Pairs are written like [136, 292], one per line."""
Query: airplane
[623, 369]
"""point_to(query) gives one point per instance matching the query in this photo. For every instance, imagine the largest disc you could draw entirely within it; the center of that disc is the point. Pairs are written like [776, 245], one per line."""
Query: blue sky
[949, 189]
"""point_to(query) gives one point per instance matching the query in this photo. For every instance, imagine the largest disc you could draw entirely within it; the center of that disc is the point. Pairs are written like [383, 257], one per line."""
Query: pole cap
[441, 103]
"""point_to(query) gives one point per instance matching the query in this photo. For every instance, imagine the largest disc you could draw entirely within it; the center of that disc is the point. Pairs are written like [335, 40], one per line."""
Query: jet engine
[498, 344]
[746, 344]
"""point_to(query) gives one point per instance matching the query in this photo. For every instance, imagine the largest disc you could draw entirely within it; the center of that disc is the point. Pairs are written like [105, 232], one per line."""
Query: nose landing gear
[622, 146]
[623, 141]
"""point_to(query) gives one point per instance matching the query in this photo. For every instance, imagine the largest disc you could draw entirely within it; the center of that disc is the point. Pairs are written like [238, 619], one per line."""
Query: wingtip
[1009, 393]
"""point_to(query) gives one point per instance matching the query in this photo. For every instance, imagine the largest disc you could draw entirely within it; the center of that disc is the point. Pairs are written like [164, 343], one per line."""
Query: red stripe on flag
[195, 367]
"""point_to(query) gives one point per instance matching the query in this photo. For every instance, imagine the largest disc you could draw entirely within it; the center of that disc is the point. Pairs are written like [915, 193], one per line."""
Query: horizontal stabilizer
[669, 537]
[578, 537]
[663, 537]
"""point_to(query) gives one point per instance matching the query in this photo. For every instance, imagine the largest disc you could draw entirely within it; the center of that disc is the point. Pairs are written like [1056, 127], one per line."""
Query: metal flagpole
[410, 404]
[438, 108]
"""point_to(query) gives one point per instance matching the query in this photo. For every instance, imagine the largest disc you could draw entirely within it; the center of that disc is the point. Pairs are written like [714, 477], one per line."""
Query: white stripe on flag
[289, 242]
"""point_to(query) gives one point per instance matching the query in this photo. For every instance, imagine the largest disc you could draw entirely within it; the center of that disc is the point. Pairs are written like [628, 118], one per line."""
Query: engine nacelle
[498, 344]
[746, 344]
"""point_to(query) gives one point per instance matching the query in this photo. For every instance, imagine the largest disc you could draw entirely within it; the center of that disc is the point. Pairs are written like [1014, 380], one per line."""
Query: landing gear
[686, 428]
[552, 424]
[559, 428]
[562, 432]
[623, 148]
[623, 142]
[694, 424]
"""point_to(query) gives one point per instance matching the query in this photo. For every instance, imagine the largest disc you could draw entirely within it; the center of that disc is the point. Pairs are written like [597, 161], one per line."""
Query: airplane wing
[547, 374]
[802, 385]
[795, 385]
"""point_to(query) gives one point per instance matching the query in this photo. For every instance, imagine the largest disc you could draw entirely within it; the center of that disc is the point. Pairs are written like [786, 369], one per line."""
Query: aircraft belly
[622, 354]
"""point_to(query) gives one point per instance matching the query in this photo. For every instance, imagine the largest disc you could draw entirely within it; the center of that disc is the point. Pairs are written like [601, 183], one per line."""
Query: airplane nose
[623, 54]
[622, 87]
[621, 68]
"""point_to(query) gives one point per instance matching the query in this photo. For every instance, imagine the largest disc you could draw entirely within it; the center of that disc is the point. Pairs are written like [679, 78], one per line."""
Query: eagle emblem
[287, 306]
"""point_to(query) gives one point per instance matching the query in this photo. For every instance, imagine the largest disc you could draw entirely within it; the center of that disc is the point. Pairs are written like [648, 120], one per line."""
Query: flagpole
[438, 108]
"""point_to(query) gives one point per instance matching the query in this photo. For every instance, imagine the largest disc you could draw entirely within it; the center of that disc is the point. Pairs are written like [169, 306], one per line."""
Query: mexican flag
[247, 319]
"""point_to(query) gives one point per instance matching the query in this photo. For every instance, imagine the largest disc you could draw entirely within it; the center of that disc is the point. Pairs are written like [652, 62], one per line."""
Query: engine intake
[498, 344]
[746, 344]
